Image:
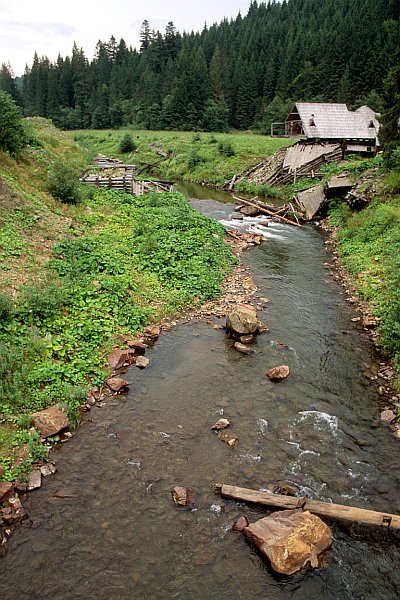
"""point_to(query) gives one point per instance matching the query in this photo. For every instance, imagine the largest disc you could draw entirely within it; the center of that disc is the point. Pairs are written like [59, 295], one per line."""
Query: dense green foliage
[369, 243]
[12, 132]
[63, 183]
[237, 73]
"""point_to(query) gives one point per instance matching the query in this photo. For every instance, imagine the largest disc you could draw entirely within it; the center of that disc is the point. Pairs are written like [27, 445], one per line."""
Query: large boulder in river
[290, 539]
[242, 320]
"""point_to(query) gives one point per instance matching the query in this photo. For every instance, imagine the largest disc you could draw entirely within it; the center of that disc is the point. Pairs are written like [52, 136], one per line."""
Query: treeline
[239, 73]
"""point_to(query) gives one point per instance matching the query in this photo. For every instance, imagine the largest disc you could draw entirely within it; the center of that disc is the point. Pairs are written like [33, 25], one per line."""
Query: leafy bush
[226, 148]
[12, 132]
[63, 184]
[6, 306]
[127, 144]
[43, 301]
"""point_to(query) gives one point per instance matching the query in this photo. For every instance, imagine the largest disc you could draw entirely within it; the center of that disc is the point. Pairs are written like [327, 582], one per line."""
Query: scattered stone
[237, 217]
[137, 344]
[387, 416]
[152, 332]
[50, 421]
[14, 512]
[229, 439]
[243, 348]
[278, 373]
[240, 524]
[285, 488]
[290, 539]
[396, 434]
[183, 496]
[247, 339]
[262, 328]
[117, 384]
[242, 320]
[34, 480]
[117, 358]
[142, 362]
[221, 424]
[263, 223]
[5, 489]
[370, 323]
[48, 469]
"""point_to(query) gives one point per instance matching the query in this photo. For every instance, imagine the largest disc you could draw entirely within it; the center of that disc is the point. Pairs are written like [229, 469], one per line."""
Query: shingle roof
[334, 121]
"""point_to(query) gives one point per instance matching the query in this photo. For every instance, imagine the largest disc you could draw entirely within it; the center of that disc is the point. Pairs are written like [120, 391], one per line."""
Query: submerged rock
[221, 424]
[50, 421]
[240, 524]
[228, 438]
[142, 362]
[291, 539]
[242, 320]
[278, 373]
[243, 348]
[183, 496]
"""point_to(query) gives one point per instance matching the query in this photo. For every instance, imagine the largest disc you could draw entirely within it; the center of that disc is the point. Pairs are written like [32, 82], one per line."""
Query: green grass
[201, 157]
[369, 244]
[75, 277]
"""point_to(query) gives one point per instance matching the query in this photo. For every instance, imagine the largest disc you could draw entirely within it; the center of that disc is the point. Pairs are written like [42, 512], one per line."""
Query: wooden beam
[322, 509]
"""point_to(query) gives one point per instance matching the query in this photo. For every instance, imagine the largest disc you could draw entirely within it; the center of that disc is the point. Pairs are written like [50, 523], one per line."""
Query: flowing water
[105, 526]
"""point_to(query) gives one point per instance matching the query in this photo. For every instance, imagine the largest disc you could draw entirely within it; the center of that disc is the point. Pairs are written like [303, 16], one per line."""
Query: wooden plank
[322, 509]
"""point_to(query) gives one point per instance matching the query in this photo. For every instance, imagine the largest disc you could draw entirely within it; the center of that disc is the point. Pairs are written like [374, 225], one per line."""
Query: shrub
[226, 148]
[6, 307]
[12, 132]
[43, 301]
[63, 184]
[127, 144]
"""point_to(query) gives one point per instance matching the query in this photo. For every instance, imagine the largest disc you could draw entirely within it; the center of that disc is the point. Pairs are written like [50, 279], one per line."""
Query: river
[105, 526]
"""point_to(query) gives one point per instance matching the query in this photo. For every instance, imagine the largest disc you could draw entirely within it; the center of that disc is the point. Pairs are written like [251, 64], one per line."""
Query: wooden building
[356, 131]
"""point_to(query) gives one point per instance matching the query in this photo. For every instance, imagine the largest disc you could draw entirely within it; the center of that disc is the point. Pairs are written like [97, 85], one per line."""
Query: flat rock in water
[117, 358]
[229, 439]
[291, 539]
[243, 348]
[117, 384]
[242, 320]
[247, 339]
[182, 496]
[237, 217]
[221, 424]
[278, 373]
[136, 344]
[142, 362]
[50, 421]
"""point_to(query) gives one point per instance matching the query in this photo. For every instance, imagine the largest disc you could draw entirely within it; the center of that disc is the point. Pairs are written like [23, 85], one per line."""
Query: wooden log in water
[266, 211]
[322, 509]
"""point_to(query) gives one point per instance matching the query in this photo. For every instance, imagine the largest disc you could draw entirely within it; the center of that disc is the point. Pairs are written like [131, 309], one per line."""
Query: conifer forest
[240, 73]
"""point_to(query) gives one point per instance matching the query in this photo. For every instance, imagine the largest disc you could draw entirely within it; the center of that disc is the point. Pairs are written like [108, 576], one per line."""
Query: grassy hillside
[201, 157]
[369, 246]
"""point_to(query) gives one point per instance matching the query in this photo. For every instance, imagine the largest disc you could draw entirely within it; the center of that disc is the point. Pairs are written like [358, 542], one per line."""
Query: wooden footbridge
[112, 173]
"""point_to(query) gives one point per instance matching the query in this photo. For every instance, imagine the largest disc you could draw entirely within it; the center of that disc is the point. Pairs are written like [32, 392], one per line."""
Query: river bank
[313, 429]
